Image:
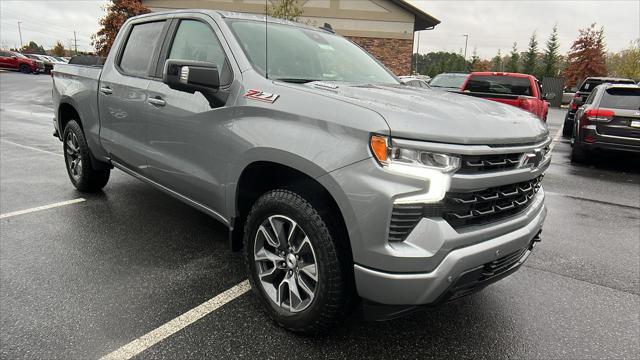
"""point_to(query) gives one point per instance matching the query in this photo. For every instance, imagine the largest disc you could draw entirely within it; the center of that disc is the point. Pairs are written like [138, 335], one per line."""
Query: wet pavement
[79, 281]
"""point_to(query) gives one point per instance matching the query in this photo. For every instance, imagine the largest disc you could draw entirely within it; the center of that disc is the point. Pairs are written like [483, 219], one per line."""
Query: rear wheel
[567, 128]
[24, 69]
[579, 154]
[78, 160]
[295, 265]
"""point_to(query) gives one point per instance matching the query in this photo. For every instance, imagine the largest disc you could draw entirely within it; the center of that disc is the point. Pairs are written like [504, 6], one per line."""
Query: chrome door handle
[156, 101]
[106, 90]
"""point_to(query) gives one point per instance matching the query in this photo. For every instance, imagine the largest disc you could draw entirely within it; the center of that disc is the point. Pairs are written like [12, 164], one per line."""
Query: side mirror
[191, 76]
[549, 96]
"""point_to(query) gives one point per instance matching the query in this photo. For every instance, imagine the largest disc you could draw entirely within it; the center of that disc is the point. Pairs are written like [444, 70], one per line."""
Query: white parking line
[40, 208]
[173, 326]
[30, 148]
[556, 138]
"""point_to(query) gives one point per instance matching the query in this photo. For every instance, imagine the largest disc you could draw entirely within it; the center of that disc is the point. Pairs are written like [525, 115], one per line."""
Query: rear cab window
[497, 84]
[137, 57]
[621, 98]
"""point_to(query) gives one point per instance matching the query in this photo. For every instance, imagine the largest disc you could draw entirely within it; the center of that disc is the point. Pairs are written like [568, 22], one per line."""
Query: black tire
[78, 160]
[24, 69]
[567, 128]
[334, 291]
[579, 154]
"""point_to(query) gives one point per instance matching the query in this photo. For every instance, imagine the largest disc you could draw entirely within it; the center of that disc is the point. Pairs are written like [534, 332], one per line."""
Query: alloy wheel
[73, 156]
[286, 263]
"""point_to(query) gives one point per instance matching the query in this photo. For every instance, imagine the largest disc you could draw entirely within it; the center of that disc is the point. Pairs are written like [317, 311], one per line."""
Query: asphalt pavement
[81, 280]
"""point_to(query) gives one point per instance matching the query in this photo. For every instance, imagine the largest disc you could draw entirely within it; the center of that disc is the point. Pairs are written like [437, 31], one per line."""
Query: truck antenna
[266, 39]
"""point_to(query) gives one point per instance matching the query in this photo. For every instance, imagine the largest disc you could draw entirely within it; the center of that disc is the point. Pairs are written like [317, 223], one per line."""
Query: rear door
[122, 94]
[625, 125]
[188, 133]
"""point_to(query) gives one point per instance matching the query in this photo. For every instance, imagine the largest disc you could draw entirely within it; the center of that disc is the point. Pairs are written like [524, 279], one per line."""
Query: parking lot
[88, 276]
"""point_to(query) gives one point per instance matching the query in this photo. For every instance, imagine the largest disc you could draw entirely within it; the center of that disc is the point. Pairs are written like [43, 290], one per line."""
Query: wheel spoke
[282, 292]
[278, 230]
[305, 287]
[71, 147]
[305, 243]
[270, 240]
[294, 294]
[311, 271]
[266, 255]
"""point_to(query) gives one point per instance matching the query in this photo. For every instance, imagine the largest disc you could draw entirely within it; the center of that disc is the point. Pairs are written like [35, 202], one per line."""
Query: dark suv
[609, 120]
[581, 96]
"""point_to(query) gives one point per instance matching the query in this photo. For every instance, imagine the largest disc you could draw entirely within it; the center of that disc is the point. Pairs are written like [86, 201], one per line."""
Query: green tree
[58, 49]
[530, 58]
[32, 48]
[285, 9]
[626, 63]
[587, 56]
[513, 65]
[496, 62]
[434, 63]
[474, 59]
[551, 58]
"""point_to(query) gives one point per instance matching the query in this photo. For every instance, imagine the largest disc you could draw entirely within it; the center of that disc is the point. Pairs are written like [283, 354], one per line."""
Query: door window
[196, 41]
[137, 56]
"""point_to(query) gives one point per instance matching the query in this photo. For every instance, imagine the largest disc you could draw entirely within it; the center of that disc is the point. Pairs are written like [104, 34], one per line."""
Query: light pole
[415, 70]
[466, 41]
[20, 33]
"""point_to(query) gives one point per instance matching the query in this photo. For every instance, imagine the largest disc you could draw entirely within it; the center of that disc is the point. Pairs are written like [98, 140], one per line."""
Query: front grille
[492, 204]
[461, 209]
[472, 164]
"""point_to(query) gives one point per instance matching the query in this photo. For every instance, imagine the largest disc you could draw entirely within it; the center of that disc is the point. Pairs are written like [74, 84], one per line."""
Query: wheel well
[67, 112]
[261, 177]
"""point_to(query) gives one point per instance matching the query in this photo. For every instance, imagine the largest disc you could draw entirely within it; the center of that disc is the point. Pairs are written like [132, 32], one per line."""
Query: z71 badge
[261, 96]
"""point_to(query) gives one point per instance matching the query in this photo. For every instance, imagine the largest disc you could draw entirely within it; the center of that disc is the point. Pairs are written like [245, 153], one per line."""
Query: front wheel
[78, 160]
[24, 69]
[295, 264]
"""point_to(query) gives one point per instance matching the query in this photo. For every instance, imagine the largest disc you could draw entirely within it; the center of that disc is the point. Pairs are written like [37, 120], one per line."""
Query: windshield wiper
[297, 80]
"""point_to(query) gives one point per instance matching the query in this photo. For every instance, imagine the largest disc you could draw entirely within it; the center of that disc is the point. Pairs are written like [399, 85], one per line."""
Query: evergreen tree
[551, 59]
[496, 62]
[514, 59]
[530, 58]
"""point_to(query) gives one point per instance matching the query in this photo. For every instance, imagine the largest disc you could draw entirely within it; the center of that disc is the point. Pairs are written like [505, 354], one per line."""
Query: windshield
[496, 84]
[448, 80]
[302, 55]
[20, 55]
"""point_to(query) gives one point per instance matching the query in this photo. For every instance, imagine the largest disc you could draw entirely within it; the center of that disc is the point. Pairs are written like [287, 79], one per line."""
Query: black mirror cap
[549, 96]
[191, 76]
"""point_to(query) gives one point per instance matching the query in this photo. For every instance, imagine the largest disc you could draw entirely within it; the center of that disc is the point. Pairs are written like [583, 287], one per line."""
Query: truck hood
[441, 116]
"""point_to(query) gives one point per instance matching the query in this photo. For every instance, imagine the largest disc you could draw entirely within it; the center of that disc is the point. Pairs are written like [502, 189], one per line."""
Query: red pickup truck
[520, 90]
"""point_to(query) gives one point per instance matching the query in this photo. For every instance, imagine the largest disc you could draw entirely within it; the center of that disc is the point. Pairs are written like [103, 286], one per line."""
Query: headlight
[434, 168]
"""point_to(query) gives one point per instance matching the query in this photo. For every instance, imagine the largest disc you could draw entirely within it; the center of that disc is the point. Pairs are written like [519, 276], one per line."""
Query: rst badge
[261, 96]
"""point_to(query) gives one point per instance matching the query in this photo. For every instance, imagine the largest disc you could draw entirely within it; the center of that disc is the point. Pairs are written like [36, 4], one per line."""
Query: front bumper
[430, 287]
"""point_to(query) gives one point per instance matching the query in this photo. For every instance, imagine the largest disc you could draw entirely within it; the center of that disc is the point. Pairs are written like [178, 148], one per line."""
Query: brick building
[385, 28]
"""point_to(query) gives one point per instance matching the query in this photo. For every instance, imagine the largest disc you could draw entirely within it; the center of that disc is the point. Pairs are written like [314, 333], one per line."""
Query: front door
[122, 96]
[187, 131]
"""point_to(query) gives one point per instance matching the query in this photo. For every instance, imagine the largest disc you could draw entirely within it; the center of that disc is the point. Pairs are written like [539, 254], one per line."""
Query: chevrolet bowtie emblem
[532, 159]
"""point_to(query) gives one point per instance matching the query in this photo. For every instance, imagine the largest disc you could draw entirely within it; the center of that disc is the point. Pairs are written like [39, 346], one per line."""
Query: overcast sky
[491, 25]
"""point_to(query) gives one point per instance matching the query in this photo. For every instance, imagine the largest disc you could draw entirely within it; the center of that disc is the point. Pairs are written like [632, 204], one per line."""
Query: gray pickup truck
[337, 182]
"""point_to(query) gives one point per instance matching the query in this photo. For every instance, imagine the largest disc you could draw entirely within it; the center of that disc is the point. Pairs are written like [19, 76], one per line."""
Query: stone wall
[393, 53]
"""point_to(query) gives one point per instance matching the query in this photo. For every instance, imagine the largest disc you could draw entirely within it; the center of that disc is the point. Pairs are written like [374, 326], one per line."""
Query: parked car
[581, 96]
[61, 59]
[414, 81]
[12, 60]
[48, 63]
[608, 120]
[519, 90]
[448, 81]
[335, 185]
